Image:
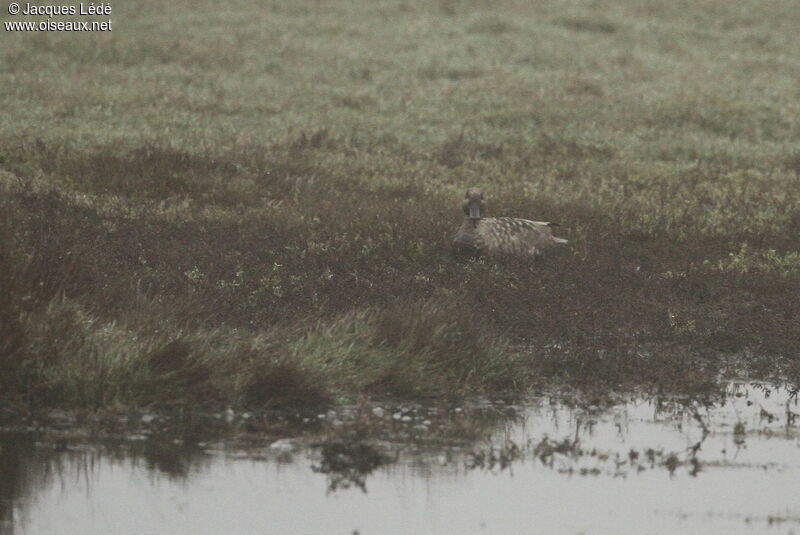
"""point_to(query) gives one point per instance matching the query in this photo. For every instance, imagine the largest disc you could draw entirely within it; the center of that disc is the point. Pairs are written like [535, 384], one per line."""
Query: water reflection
[12, 481]
[729, 465]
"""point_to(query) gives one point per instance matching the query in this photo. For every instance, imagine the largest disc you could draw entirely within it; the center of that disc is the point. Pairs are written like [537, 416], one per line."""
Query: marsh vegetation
[252, 204]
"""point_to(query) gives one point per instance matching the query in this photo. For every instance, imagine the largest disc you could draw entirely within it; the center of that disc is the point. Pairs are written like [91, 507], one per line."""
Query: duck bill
[474, 211]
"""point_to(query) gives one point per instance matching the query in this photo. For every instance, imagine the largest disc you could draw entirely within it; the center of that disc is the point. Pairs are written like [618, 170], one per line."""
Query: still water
[641, 465]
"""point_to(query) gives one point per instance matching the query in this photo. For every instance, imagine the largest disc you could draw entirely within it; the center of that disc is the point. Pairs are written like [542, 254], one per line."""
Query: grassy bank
[252, 204]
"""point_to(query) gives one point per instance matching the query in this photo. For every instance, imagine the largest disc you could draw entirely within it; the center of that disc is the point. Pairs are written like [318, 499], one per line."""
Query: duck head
[473, 204]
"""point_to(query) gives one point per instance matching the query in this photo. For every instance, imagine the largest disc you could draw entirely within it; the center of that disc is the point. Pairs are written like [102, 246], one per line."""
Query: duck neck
[470, 223]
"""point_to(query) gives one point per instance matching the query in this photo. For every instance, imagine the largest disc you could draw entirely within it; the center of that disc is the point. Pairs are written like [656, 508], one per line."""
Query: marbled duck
[481, 235]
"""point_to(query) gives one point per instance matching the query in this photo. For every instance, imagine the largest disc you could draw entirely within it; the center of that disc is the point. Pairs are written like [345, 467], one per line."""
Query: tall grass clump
[12, 337]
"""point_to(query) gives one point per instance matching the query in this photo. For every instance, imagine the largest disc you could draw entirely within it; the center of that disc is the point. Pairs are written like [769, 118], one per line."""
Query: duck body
[500, 235]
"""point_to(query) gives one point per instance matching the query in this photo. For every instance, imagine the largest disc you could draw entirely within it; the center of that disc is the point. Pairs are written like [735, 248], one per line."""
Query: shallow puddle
[640, 466]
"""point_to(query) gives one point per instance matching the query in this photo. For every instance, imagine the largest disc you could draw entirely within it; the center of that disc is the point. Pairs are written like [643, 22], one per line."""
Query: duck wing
[516, 236]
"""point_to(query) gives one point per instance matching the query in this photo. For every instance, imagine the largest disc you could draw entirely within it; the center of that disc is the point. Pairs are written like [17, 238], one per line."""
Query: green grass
[252, 203]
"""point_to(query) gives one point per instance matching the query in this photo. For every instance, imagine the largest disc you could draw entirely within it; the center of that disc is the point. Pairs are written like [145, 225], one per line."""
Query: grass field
[251, 203]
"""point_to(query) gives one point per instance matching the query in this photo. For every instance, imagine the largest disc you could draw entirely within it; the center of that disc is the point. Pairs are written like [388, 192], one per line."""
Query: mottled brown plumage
[484, 235]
